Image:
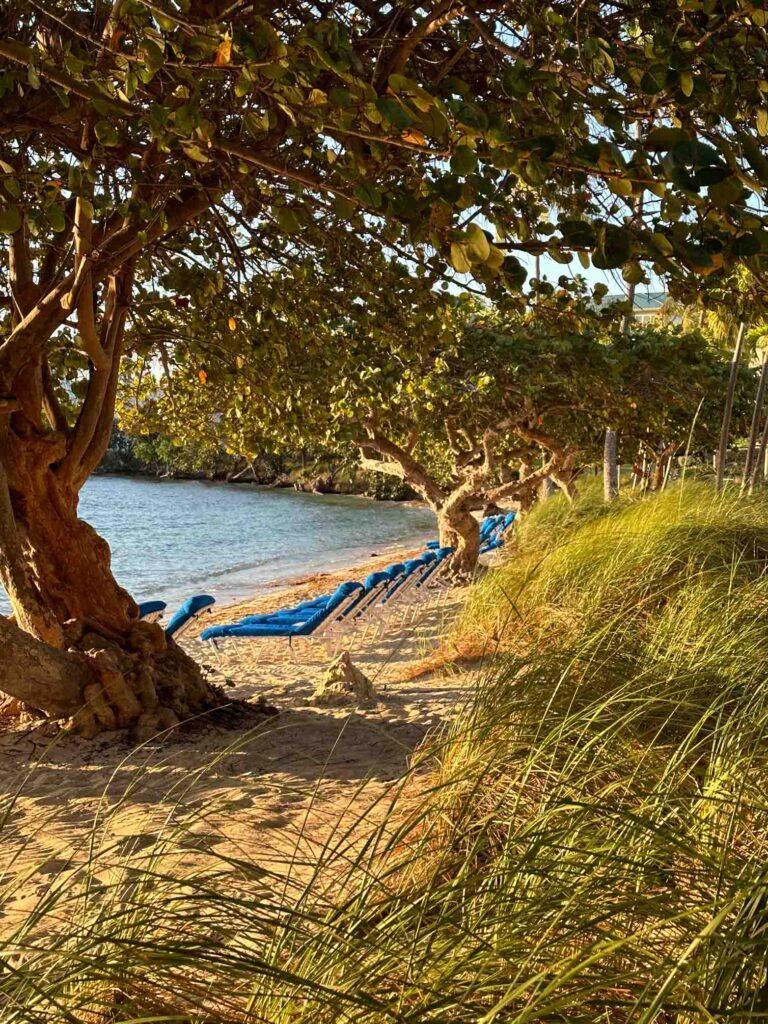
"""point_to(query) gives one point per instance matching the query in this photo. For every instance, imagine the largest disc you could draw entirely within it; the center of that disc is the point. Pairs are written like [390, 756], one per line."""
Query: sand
[278, 792]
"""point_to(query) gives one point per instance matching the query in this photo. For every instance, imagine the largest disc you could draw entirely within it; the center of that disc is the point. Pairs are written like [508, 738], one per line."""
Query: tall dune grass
[588, 843]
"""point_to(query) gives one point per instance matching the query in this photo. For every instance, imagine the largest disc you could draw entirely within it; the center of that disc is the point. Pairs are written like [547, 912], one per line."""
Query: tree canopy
[457, 396]
[164, 153]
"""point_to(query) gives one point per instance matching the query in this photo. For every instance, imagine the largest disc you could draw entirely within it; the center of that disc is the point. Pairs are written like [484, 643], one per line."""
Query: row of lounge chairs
[352, 606]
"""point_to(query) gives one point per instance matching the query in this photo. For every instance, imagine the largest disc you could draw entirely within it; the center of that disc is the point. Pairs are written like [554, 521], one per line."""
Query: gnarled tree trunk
[460, 530]
[56, 570]
[451, 503]
[77, 648]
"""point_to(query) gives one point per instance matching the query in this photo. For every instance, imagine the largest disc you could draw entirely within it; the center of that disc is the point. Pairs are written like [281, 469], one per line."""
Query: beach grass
[587, 842]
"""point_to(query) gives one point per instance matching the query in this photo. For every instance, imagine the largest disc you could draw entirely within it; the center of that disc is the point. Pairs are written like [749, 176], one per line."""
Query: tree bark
[661, 461]
[35, 672]
[610, 467]
[451, 504]
[460, 530]
[564, 473]
[755, 427]
[725, 429]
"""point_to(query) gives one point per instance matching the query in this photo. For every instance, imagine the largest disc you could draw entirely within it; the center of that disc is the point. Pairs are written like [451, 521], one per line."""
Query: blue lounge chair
[306, 609]
[434, 569]
[496, 538]
[413, 570]
[287, 624]
[151, 611]
[183, 620]
[377, 586]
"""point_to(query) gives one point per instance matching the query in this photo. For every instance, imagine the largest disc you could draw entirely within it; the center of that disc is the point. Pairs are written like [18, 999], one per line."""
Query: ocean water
[173, 538]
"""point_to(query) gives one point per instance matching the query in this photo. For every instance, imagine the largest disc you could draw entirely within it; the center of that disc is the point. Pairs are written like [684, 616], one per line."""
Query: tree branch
[442, 14]
[515, 488]
[51, 404]
[404, 465]
[122, 245]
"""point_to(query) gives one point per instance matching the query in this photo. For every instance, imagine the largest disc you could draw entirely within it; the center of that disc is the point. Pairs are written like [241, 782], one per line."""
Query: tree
[465, 401]
[137, 140]
[674, 382]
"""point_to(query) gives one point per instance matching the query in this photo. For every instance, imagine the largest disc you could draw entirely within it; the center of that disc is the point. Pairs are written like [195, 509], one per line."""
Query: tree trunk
[83, 636]
[610, 467]
[29, 668]
[661, 461]
[564, 474]
[725, 428]
[68, 561]
[755, 427]
[460, 530]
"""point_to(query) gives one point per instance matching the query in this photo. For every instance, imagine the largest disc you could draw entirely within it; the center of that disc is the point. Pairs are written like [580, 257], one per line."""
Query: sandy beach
[272, 792]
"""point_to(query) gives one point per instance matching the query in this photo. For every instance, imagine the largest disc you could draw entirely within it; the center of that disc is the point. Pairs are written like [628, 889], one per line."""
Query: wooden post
[761, 460]
[611, 471]
[755, 427]
[610, 467]
[728, 410]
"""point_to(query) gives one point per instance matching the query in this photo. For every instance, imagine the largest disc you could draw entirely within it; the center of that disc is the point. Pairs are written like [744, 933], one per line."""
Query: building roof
[643, 300]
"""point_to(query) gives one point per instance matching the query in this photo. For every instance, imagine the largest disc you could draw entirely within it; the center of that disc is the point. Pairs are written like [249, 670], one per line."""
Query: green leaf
[344, 207]
[393, 112]
[464, 160]
[662, 243]
[664, 138]
[478, 247]
[242, 86]
[472, 115]
[459, 259]
[620, 187]
[633, 273]
[655, 79]
[757, 161]
[106, 133]
[686, 83]
[340, 98]
[288, 220]
[762, 121]
[614, 248]
[727, 191]
[55, 216]
[434, 122]
[195, 152]
[369, 195]
[10, 220]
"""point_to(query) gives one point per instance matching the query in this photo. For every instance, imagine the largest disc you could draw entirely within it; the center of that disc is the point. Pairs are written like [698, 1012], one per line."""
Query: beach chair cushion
[154, 608]
[191, 608]
[303, 611]
[286, 626]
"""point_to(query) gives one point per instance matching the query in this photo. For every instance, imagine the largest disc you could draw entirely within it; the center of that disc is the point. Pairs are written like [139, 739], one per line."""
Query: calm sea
[172, 538]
